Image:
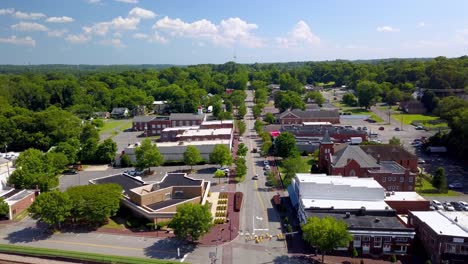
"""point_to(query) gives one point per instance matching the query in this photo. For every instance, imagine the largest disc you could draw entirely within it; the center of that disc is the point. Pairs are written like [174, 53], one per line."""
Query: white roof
[338, 180]
[179, 128]
[159, 102]
[345, 204]
[206, 132]
[444, 222]
[316, 123]
[193, 143]
[218, 122]
[402, 196]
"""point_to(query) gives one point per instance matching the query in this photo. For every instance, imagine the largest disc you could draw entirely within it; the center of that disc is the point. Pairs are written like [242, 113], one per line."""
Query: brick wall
[21, 205]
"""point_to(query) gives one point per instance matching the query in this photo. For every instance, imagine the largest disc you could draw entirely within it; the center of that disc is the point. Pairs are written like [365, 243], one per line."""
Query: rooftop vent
[456, 219]
[376, 220]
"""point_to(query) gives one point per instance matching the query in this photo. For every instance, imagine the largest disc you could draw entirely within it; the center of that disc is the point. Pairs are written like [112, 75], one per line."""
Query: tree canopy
[285, 145]
[221, 155]
[148, 155]
[192, 156]
[191, 221]
[51, 208]
[326, 233]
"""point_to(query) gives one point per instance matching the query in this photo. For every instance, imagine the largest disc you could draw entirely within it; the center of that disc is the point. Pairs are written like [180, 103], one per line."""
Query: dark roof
[352, 152]
[378, 220]
[390, 166]
[321, 129]
[311, 113]
[166, 203]
[119, 110]
[143, 119]
[11, 193]
[186, 116]
[127, 182]
[178, 179]
[388, 152]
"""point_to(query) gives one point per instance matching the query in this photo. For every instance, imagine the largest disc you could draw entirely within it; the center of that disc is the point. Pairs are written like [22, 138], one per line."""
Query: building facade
[154, 125]
[297, 117]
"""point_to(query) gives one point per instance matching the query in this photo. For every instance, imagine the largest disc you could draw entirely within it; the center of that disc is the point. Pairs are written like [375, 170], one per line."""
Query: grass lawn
[428, 190]
[113, 124]
[408, 118]
[113, 224]
[305, 168]
[75, 255]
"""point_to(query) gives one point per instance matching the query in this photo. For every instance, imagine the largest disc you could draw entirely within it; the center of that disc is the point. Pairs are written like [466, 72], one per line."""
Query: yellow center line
[265, 216]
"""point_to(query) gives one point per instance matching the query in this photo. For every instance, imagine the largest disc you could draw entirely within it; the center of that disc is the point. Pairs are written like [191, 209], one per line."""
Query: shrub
[218, 221]
[393, 259]
[238, 201]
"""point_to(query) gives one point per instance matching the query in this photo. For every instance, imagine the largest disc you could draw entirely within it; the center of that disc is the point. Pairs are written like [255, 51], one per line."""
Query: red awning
[275, 133]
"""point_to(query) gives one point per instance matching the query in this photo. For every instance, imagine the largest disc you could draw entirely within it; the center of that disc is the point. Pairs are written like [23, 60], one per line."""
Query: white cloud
[387, 29]
[299, 35]
[77, 39]
[32, 16]
[141, 13]
[63, 19]
[7, 11]
[128, 1]
[117, 24]
[155, 38]
[228, 32]
[26, 41]
[56, 33]
[27, 26]
[421, 24]
[113, 42]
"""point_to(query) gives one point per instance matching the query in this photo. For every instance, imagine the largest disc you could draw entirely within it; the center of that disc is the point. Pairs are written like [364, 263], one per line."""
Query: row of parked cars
[449, 206]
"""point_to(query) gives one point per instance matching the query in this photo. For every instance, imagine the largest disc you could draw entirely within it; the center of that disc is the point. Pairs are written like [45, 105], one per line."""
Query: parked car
[254, 150]
[70, 171]
[455, 185]
[464, 204]
[397, 129]
[267, 167]
[241, 139]
[437, 205]
[255, 177]
[457, 206]
[381, 128]
[448, 207]
[265, 162]
[421, 161]
[364, 128]
[419, 127]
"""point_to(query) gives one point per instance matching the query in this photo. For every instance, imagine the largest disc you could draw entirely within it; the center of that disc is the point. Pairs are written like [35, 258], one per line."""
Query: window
[401, 239]
[410, 179]
[387, 239]
[357, 241]
[365, 238]
[167, 196]
[159, 125]
[387, 247]
[352, 173]
[463, 249]
[451, 248]
[402, 179]
[377, 242]
[384, 179]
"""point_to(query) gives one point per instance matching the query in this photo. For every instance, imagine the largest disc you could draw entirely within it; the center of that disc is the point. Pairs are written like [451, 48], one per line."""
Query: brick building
[390, 165]
[317, 130]
[444, 235]
[290, 117]
[18, 200]
[154, 125]
[359, 202]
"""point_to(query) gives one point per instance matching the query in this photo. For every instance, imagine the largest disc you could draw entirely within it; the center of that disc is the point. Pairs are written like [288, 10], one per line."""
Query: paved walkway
[6, 258]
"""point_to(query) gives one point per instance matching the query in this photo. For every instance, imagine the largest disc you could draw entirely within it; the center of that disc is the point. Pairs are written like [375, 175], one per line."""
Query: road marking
[183, 259]
[105, 246]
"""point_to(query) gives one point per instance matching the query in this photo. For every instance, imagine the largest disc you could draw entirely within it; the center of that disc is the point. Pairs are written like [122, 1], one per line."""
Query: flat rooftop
[166, 203]
[179, 128]
[404, 196]
[217, 122]
[443, 223]
[338, 180]
[193, 143]
[125, 181]
[206, 132]
[344, 204]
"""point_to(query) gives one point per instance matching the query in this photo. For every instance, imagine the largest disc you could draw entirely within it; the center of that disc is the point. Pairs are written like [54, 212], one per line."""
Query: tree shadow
[210, 170]
[29, 234]
[167, 249]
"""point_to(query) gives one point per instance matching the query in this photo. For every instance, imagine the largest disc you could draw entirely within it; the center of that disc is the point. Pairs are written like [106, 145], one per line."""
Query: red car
[381, 128]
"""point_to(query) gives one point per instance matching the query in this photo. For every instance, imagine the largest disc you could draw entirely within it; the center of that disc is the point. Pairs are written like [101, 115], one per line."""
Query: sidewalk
[6, 258]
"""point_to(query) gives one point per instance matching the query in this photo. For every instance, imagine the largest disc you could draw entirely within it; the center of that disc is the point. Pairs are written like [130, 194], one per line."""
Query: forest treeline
[40, 104]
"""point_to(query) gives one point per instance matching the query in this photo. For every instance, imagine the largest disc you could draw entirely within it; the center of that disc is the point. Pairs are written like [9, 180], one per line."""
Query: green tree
[192, 156]
[269, 118]
[125, 161]
[242, 150]
[221, 155]
[349, 99]
[393, 259]
[106, 151]
[148, 155]
[315, 96]
[241, 167]
[327, 234]
[393, 96]
[367, 92]
[285, 145]
[4, 208]
[70, 149]
[258, 125]
[191, 221]
[241, 126]
[292, 165]
[242, 111]
[439, 180]
[94, 203]
[256, 111]
[288, 100]
[51, 208]
[394, 141]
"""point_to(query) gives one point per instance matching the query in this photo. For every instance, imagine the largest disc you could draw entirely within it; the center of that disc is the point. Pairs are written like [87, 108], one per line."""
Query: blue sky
[214, 31]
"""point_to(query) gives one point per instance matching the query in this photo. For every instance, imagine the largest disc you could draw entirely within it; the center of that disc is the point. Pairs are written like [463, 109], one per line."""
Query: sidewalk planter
[238, 201]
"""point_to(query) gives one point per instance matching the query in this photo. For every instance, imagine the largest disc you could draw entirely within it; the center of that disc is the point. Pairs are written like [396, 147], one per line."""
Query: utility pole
[401, 125]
